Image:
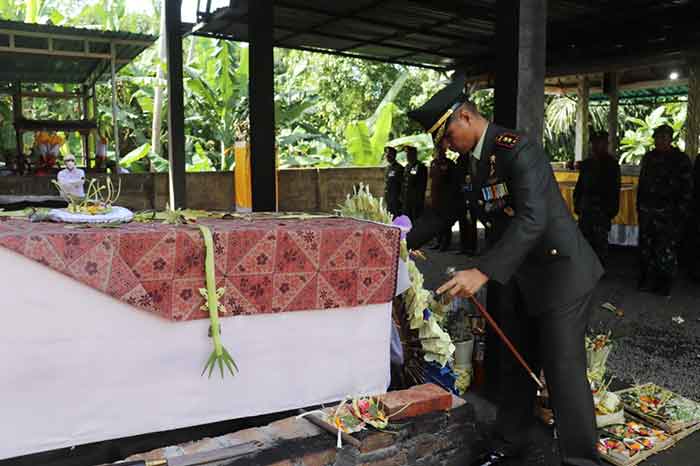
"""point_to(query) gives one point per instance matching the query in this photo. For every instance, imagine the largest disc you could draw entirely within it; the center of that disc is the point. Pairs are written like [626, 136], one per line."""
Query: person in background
[695, 268]
[664, 198]
[442, 193]
[597, 195]
[415, 181]
[71, 178]
[393, 182]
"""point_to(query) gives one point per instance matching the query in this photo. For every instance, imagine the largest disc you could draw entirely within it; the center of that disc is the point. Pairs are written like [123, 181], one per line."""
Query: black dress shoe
[644, 285]
[663, 288]
[492, 458]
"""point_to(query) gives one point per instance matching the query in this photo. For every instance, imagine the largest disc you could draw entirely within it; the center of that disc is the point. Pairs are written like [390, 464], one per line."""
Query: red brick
[321, 458]
[293, 428]
[281, 463]
[248, 435]
[206, 444]
[397, 460]
[429, 444]
[416, 401]
[377, 440]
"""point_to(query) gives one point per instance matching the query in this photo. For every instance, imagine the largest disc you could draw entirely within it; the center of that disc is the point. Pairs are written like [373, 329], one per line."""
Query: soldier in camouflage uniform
[597, 195]
[393, 181]
[695, 229]
[664, 198]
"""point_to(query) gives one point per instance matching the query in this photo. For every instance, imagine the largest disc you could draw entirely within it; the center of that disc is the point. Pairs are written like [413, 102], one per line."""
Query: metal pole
[113, 54]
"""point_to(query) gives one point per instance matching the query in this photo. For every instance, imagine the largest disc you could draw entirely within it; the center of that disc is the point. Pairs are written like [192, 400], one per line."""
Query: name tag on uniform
[391, 174]
[414, 171]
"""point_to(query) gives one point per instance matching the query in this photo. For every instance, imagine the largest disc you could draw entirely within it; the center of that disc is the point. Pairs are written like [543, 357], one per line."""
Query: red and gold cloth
[265, 265]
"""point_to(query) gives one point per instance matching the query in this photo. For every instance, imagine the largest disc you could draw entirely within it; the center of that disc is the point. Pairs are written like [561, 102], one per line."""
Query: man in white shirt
[72, 178]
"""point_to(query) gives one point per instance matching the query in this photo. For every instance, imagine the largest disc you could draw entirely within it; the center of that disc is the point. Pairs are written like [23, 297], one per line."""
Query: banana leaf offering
[631, 442]
[661, 407]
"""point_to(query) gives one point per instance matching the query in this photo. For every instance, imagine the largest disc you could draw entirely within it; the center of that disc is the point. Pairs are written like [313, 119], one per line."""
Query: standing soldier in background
[415, 181]
[442, 193]
[393, 181]
[695, 228]
[465, 209]
[664, 198]
[597, 195]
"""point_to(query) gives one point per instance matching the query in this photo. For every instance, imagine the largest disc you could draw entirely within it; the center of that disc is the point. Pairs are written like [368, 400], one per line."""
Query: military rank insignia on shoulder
[507, 140]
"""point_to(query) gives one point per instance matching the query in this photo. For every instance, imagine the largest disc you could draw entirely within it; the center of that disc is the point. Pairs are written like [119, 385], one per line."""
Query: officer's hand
[464, 283]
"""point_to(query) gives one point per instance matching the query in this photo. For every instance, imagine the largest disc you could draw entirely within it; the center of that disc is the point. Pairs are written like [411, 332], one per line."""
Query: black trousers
[553, 341]
[467, 234]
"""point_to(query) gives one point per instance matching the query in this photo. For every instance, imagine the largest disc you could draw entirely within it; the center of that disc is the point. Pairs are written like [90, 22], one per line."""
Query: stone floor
[650, 345]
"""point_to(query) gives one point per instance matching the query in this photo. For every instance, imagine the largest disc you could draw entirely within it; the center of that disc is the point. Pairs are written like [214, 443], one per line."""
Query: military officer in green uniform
[393, 182]
[597, 195]
[537, 251]
[442, 193]
[664, 199]
[415, 182]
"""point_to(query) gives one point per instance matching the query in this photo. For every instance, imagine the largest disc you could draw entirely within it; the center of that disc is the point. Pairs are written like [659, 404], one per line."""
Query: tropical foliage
[329, 110]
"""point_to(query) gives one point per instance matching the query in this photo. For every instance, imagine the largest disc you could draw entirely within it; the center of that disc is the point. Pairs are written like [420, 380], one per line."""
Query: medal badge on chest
[492, 168]
[496, 192]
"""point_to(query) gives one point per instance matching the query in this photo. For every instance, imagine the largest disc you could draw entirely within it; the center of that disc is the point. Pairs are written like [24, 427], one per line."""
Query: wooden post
[85, 100]
[520, 65]
[693, 116]
[17, 116]
[262, 106]
[176, 105]
[94, 116]
[113, 49]
[583, 91]
[611, 86]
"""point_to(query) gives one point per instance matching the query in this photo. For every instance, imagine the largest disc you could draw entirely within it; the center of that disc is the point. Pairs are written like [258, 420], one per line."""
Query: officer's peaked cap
[434, 113]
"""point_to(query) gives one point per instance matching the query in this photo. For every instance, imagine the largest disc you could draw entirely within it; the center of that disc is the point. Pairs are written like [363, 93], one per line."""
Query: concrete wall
[310, 190]
[141, 191]
[300, 190]
[322, 189]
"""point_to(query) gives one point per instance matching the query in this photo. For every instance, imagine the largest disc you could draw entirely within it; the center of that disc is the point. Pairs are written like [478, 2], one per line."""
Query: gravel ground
[650, 347]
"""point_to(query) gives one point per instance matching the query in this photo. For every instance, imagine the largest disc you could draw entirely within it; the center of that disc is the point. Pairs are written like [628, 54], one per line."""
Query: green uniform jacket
[533, 237]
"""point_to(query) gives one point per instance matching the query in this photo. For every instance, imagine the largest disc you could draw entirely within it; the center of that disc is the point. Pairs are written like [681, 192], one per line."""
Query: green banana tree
[365, 140]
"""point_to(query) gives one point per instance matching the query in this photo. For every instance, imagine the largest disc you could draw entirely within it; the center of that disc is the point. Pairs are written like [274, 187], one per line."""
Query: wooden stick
[506, 340]
[347, 438]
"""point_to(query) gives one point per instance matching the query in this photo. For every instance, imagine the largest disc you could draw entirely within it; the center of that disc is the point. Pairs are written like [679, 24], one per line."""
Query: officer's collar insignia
[507, 140]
